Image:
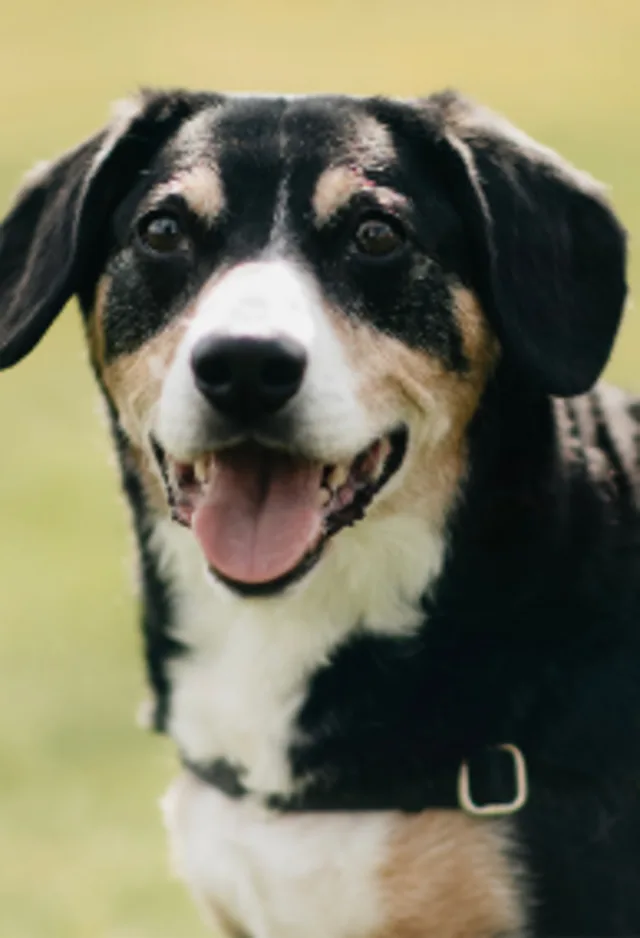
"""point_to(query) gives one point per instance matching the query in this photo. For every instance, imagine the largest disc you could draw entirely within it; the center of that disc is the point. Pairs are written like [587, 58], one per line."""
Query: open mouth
[262, 516]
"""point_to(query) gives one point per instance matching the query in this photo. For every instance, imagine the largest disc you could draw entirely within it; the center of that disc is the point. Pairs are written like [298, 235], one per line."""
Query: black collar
[492, 782]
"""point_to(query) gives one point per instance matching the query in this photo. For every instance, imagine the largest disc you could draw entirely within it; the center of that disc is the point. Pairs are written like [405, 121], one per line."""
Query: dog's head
[293, 306]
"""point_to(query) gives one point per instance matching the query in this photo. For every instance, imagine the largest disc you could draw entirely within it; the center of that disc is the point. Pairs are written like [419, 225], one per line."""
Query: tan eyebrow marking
[368, 147]
[337, 185]
[200, 187]
[333, 189]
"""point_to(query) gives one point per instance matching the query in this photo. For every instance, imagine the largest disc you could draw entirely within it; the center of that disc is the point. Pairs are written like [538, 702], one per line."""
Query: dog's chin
[263, 517]
[276, 586]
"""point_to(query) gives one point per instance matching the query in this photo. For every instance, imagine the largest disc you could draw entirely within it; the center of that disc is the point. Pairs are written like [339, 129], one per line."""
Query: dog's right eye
[378, 239]
[162, 234]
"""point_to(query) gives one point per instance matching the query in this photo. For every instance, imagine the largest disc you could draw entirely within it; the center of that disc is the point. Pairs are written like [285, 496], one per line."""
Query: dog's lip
[345, 494]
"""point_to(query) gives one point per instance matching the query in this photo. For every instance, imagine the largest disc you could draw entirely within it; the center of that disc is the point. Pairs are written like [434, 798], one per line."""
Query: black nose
[248, 378]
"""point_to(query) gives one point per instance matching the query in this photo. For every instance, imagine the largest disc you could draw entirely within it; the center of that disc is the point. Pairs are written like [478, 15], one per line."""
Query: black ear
[50, 237]
[552, 252]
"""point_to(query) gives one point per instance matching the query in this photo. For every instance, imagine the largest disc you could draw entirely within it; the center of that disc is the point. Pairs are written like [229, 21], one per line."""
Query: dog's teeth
[324, 497]
[338, 477]
[383, 455]
[200, 468]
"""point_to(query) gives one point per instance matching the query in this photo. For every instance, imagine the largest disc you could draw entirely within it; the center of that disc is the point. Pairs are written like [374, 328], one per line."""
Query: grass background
[82, 852]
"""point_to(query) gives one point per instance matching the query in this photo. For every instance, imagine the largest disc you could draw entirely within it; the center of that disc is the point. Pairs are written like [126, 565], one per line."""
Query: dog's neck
[374, 579]
[229, 673]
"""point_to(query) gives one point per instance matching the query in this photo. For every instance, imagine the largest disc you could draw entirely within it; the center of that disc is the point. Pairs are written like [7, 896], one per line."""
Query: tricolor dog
[388, 529]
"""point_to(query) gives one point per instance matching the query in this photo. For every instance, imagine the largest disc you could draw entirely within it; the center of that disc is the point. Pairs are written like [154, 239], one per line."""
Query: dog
[387, 522]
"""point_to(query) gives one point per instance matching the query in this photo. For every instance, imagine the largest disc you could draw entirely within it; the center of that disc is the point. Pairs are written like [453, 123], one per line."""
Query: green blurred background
[82, 852]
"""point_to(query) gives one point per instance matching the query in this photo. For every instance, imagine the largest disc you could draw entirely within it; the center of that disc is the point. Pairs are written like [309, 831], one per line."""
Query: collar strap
[493, 782]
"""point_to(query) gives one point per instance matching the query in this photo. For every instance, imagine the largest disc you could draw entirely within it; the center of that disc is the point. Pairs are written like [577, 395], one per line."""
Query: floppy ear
[552, 251]
[52, 235]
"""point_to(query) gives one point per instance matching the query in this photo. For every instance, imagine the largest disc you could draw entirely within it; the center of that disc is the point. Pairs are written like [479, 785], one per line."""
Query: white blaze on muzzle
[261, 299]
[257, 512]
[268, 300]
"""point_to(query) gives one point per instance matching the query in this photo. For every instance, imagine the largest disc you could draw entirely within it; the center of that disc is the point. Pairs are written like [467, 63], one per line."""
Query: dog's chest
[258, 874]
[247, 666]
[236, 699]
[342, 875]
[236, 692]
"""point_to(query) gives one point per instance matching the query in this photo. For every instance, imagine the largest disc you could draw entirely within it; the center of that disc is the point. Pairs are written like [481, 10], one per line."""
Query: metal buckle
[467, 803]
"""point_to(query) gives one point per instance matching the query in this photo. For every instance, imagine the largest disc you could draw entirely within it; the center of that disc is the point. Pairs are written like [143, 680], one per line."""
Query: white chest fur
[257, 874]
[235, 694]
[236, 690]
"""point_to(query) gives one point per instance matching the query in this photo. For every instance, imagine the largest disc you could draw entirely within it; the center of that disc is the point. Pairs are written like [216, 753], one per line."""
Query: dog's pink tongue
[259, 515]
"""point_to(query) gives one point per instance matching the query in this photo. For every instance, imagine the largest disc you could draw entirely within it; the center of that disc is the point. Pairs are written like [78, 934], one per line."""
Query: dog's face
[294, 305]
[284, 324]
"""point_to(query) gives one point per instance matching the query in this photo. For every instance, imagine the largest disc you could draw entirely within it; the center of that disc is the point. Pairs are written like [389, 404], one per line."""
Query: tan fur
[449, 876]
[438, 403]
[134, 382]
[95, 324]
[336, 186]
[200, 187]
[117, 385]
[369, 147]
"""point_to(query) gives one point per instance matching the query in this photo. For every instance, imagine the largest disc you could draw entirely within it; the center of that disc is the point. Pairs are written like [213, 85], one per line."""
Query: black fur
[53, 243]
[531, 634]
[528, 213]
[157, 609]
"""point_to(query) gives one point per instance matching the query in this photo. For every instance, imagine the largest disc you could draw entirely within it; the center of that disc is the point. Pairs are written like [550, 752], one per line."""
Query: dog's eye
[377, 238]
[162, 234]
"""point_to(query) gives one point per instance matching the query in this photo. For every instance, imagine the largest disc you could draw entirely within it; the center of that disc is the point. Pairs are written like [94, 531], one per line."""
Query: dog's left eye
[162, 234]
[377, 238]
